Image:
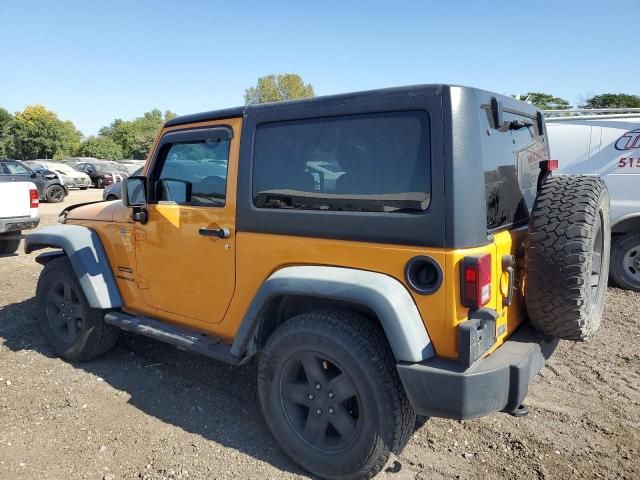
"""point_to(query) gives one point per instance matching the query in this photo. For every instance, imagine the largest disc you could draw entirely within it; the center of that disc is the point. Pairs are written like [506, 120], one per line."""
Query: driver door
[185, 253]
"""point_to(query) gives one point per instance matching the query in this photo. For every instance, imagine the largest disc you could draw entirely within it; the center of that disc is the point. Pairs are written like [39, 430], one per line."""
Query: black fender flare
[384, 295]
[89, 261]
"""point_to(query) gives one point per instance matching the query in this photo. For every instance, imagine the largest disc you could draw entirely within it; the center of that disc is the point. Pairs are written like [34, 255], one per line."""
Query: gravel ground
[149, 411]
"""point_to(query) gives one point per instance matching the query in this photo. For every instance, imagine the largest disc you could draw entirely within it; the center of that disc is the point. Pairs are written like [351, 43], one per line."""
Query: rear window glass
[368, 163]
[510, 160]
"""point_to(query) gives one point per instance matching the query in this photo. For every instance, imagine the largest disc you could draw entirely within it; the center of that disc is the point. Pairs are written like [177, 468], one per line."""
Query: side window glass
[367, 163]
[198, 167]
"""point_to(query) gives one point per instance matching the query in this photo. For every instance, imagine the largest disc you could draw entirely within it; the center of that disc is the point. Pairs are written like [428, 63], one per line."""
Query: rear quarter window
[363, 163]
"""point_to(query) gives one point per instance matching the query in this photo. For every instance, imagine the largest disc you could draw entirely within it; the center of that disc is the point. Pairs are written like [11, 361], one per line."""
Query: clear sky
[92, 62]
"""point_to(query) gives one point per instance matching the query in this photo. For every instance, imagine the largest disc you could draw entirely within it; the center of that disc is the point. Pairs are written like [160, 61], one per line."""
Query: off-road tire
[55, 194]
[94, 336]
[564, 296]
[358, 346]
[625, 261]
[9, 245]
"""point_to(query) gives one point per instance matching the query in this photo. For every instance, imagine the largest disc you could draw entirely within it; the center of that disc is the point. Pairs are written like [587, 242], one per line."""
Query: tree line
[37, 132]
[546, 101]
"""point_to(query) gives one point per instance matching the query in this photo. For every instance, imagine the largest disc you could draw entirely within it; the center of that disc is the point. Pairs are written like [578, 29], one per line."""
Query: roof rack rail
[580, 112]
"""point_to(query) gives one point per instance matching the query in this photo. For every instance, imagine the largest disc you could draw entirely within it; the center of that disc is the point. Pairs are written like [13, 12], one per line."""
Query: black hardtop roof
[332, 100]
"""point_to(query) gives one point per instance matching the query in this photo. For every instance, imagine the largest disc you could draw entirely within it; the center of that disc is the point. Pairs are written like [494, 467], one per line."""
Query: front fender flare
[88, 259]
[384, 295]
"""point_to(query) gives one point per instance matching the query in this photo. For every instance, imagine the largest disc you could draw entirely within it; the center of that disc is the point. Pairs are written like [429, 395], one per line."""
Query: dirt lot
[149, 411]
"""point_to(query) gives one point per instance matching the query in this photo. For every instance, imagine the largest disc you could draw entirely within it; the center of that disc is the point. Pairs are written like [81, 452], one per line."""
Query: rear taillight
[33, 198]
[476, 280]
[548, 165]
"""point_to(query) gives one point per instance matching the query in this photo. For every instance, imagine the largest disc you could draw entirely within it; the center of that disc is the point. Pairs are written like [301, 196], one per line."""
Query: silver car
[71, 177]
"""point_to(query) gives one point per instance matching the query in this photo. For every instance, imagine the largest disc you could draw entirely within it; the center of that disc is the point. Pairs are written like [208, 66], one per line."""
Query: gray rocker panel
[88, 259]
[386, 296]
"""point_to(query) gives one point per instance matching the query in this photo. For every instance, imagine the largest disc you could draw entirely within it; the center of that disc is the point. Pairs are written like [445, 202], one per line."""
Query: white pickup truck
[606, 143]
[18, 211]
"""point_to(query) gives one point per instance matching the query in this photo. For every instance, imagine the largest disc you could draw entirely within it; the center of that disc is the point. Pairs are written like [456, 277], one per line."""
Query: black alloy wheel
[320, 402]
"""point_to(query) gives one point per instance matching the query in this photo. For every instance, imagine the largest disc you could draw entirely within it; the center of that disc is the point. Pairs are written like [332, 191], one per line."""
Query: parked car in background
[606, 143]
[18, 211]
[114, 191]
[102, 172]
[77, 179]
[51, 187]
[130, 166]
[62, 178]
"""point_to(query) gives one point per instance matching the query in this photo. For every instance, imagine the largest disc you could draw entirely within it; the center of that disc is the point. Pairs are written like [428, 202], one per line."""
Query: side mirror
[134, 191]
[33, 175]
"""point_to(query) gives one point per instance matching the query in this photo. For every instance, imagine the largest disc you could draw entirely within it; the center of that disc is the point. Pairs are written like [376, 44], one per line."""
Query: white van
[606, 143]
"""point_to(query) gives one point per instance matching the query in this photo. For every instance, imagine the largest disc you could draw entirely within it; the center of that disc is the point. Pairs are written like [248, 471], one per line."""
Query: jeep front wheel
[331, 396]
[567, 256]
[73, 329]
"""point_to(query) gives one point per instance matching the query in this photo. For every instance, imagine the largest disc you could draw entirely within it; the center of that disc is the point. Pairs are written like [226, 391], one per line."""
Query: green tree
[135, 137]
[5, 138]
[38, 133]
[100, 147]
[612, 100]
[544, 101]
[275, 88]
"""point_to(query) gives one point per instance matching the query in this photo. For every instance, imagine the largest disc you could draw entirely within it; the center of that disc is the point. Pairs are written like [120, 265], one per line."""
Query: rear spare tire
[567, 256]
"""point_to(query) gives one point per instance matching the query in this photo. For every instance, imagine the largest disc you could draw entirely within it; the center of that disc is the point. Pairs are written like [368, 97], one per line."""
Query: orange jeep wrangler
[385, 254]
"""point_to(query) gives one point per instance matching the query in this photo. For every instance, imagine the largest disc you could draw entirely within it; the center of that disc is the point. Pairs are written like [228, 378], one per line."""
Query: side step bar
[182, 338]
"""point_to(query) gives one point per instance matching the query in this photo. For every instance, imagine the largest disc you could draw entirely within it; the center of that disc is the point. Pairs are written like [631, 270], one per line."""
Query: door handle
[215, 232]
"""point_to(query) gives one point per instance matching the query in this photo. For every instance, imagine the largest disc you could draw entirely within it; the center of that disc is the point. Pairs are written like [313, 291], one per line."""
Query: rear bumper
[18, 223]
[500, 381]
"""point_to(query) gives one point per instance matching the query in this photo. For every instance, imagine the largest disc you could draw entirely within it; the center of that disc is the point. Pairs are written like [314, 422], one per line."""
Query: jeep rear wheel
[567, 257]
[625, 262]
[74, 330]
[331, 396]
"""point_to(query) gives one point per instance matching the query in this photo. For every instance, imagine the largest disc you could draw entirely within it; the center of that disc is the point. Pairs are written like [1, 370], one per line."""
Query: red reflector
[34, 200]
[476, 280]
[548, 165]
[470, 275]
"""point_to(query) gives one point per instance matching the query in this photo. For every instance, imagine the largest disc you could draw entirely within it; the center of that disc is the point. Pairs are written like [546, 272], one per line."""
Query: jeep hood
[98, 211]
